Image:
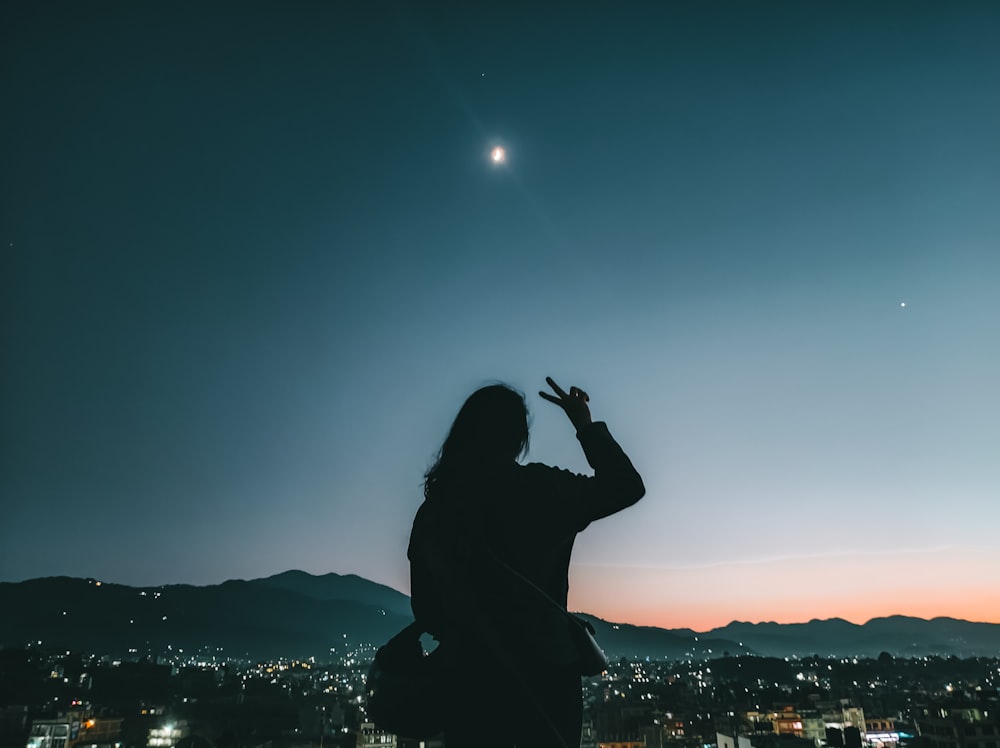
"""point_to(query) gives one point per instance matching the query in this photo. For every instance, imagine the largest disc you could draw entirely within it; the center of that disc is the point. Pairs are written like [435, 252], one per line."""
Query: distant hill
[339, 587]
[637, 642]
[255, 619]
[899, 635]
[295, 614]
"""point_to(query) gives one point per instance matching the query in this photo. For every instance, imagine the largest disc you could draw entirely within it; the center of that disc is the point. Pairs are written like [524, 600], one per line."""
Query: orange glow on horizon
[855, 587]
[719, 616]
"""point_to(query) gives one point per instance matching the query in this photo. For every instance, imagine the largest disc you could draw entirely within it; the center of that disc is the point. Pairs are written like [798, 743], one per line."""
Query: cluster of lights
[324, 679]
[164, 737]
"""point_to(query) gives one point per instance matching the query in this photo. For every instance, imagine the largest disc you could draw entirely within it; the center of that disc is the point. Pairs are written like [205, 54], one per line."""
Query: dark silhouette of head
[489, 433]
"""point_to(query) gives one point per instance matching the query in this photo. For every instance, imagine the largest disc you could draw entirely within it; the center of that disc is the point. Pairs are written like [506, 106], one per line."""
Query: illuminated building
[789, 721]
[881, 733]
[726, 741]
[879, 724]
[74, 729]
[673, 729]
[841, 717]
[370, 736]
[51, 733]
[786, 722]
[763, 740]
[945, 727]
[167, 736]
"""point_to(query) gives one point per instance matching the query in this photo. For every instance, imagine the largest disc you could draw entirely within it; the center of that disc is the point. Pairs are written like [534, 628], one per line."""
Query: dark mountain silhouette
[235, 618]
[296, 614]
[898, 635]
[636, 642]
[339, 587]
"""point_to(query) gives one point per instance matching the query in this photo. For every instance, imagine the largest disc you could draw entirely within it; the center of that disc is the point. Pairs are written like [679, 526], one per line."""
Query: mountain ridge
[298, 614]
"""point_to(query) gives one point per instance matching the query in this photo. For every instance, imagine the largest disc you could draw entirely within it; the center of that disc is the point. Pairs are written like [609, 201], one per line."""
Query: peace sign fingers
[574, 404]
[555, 388]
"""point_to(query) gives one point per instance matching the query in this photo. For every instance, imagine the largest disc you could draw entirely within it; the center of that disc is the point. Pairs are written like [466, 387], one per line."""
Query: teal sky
[256, 255]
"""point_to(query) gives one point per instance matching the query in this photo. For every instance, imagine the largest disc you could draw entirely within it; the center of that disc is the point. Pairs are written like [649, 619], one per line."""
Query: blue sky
[255, 258]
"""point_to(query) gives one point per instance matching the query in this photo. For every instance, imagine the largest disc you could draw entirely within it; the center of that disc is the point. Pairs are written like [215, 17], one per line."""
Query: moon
[498, 155]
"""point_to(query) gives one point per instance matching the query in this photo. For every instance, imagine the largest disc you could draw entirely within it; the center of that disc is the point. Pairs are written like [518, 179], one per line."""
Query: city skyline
[254, 262]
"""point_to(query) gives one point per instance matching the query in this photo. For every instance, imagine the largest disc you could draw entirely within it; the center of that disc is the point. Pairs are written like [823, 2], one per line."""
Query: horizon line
[594, 615]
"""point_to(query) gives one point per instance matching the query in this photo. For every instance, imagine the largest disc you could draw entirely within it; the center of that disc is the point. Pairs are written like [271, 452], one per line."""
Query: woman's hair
[490, 432]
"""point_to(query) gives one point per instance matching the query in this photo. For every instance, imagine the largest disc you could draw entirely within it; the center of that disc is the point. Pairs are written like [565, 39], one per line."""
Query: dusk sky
[255, 256]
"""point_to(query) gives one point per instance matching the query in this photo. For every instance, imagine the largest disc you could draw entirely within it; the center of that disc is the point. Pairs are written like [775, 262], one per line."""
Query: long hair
[488, 435]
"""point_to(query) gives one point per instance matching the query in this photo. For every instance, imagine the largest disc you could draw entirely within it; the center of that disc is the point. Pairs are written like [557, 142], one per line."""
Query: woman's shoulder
[538, 472]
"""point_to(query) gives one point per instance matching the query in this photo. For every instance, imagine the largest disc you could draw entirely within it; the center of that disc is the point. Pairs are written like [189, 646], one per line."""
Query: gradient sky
[255, 256]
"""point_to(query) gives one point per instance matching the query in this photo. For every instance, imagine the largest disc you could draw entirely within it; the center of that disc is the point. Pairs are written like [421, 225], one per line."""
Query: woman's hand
[574, 404]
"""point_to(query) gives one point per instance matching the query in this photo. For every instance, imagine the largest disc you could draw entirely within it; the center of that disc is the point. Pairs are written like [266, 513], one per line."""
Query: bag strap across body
[591, 659]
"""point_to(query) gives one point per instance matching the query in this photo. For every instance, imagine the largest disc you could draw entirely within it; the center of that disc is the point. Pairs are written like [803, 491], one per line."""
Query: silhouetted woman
[510, 673]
